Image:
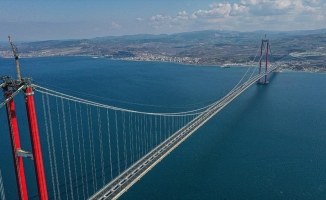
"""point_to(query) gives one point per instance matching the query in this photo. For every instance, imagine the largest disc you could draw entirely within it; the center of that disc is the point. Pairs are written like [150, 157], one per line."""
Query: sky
[36, 20]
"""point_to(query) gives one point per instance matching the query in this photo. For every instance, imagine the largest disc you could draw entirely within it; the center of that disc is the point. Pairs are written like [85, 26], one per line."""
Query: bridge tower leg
[35, 140]
[261, 55]
[15, 145]
[267, 47]
[18, 153]
[266, 60]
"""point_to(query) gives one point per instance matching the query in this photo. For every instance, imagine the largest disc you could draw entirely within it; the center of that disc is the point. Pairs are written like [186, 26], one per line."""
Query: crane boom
[15, 51]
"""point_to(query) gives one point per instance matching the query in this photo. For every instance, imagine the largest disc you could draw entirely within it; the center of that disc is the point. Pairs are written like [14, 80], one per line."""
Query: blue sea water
[269, 143]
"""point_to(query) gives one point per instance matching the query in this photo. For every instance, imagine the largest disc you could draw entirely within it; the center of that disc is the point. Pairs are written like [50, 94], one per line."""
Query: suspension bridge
[98, 151]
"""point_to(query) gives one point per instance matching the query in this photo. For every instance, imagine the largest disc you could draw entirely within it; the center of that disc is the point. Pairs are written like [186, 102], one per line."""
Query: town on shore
[298, 50]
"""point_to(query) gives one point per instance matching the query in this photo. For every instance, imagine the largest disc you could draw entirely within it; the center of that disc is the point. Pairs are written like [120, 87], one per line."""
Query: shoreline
[181, 63]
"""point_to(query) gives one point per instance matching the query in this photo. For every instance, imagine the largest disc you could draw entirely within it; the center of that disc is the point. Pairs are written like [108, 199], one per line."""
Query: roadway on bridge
[124, 181]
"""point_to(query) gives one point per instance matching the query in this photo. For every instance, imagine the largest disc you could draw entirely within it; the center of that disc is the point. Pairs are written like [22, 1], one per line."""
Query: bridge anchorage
[263, 48]
[98, 151]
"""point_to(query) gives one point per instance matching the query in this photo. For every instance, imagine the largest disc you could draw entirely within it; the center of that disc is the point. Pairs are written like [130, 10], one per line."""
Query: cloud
[247, 15]
[139, 19]
[249, 2]
[183, 13]
[183, 16]
[239, 9]
[310, 10]
[161, 21]
[115, 25]
[313, 1]
[161, 18]
[283, 7]
[217, 10]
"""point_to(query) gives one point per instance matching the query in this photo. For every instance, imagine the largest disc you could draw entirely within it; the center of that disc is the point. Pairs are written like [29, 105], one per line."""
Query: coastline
[226, 65]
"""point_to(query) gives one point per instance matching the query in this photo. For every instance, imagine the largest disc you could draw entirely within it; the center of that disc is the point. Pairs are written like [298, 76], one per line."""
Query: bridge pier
[262, 82]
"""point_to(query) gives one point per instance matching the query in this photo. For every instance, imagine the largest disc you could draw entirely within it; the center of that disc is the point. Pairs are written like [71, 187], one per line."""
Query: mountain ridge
[208, 47]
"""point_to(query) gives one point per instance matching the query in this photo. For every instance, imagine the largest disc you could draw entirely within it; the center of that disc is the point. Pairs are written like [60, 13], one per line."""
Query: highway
[124, 181]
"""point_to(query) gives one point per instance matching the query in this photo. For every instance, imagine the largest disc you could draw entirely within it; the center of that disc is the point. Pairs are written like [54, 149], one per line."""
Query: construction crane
[15, 51]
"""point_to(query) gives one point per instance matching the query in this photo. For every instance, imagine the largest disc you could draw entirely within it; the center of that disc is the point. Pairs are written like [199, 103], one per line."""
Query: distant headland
[298, 50]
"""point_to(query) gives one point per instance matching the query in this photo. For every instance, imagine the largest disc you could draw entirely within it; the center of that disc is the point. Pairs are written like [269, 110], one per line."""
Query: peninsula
[299, 50]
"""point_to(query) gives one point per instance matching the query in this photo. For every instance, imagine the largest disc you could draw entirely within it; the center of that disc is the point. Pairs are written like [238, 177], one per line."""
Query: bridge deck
[124, 181]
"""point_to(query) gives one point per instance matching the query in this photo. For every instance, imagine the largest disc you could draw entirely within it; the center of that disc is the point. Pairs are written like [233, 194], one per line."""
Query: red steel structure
[11, 87]
[15, 144]
[36, 145]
